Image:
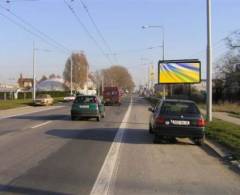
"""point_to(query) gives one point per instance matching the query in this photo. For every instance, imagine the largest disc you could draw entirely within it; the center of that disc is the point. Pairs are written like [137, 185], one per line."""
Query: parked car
[177, 118]
[69, 98]
[43, 100]
[89, 106]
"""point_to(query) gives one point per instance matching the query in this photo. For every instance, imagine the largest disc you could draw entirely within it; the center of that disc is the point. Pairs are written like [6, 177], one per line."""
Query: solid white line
[40, 125]
[42, 110]
[103, 181]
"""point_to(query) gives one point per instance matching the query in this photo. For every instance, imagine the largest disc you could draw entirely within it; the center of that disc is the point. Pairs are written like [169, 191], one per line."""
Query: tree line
[226, 84]
[115, 75]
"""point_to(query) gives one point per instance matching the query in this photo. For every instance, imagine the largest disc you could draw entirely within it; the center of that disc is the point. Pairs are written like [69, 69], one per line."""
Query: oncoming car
[43, 100]
[87, 106]
[177, 118]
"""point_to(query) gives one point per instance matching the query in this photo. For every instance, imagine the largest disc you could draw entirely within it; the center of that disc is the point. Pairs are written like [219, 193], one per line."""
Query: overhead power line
[37, 32]
[98, 30]
[87, 32]
[217, 43]
[10, 1]
[26, 29]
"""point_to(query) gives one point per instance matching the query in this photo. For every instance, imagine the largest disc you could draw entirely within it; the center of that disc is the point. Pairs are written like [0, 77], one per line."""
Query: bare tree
[118, 76]
[44, 77]
[80, 68]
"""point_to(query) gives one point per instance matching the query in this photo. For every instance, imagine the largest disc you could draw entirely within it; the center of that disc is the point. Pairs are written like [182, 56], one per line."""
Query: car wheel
[73, 118]
[199, 141]
[150, 129]
[157, 139]
[103, 115]
[98, 118]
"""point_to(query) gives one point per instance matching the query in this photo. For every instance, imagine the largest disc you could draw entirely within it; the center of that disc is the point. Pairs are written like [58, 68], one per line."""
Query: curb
[223, 152]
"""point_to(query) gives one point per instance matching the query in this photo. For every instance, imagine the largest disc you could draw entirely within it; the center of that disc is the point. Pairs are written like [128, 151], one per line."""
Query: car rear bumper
[81, 114]
[191, 132]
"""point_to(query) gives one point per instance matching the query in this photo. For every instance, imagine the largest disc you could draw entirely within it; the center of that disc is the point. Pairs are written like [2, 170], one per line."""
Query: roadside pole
[163, 57]
[102, 84]
[71, 73]
[34, 76]
[209, 62]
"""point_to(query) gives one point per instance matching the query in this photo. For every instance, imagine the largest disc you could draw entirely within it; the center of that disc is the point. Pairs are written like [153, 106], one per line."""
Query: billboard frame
[180, 61]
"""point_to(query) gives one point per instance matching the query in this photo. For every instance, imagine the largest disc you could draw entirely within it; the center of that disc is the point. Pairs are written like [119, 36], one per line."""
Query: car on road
[69, 98]
[43, 100]
[177, 118]
[87, 106]
[112, 96]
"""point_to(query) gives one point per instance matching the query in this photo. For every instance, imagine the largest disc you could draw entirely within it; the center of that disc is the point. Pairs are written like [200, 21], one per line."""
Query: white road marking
[42, 110]
[40, 125]
[105, 176]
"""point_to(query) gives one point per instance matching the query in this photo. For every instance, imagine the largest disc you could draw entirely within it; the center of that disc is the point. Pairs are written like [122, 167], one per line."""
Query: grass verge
[231, 108]
[225, 133]
[8, 104]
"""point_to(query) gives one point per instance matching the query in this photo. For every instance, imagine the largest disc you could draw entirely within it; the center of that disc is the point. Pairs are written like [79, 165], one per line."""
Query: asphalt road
[47, 153]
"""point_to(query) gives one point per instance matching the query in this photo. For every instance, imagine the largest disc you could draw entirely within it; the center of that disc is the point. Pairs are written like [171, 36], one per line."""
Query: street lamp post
[163, 47]
[71, 74]
[34, 76]
[209, 62]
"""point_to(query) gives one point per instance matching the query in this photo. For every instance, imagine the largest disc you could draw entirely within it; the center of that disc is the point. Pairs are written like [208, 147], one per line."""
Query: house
[25, 83]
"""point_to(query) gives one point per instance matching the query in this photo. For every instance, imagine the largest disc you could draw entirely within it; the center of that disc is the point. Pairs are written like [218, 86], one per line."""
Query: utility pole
[163, 57]
[34, 76]
[71, 74]
[102, 83]
[209, 62]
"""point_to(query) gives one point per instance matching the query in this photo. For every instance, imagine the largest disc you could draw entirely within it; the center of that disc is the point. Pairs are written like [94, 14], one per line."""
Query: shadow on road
[25, 190]
[131, 136]
[44, 117]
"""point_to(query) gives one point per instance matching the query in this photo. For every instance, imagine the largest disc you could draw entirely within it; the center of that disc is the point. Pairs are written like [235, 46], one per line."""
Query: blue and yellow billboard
[179, 71]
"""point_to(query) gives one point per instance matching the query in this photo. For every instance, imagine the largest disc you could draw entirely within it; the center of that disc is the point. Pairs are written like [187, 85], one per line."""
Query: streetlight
[34, 64]
[209, 62]
[163, 45]
[148, 62]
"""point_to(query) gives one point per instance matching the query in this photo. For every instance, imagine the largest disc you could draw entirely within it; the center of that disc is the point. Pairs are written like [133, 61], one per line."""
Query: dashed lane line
[102, 185]
[41, 124]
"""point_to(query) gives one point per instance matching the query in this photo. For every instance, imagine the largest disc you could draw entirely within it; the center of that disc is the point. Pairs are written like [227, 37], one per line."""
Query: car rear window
[86, 99]
[179, 108]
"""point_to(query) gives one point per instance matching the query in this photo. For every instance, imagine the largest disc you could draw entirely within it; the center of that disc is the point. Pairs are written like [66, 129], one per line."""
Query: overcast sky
[120, 22]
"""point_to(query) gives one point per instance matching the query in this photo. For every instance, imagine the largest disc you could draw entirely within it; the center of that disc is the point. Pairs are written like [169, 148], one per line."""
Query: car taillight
[201, 122]
[160, 120]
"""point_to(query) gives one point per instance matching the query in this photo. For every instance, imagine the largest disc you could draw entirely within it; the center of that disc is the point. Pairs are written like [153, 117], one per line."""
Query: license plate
[84, 106]
[177, 122]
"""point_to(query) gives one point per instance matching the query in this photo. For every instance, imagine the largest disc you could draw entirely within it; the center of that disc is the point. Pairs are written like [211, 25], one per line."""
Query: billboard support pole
[163, 55]
[209, 62]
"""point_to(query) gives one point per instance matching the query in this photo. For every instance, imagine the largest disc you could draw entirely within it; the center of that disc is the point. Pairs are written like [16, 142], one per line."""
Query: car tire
[98, 118]
[157, 139]
[103, 115]
[73, 118]
[199, 141]
[150, 130]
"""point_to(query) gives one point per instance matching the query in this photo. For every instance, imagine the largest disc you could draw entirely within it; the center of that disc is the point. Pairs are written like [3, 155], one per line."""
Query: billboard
[179, 71]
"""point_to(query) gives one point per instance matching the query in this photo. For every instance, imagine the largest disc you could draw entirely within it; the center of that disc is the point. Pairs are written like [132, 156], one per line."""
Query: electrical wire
[87, 31]
[98, 30]
[47, 37]
[27, 30]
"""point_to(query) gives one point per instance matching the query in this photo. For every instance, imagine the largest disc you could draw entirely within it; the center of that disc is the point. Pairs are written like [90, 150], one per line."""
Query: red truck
[112, 96]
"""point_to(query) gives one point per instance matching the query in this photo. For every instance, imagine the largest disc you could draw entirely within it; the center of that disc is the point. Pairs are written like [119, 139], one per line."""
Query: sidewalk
[24, 110]
[224, 116]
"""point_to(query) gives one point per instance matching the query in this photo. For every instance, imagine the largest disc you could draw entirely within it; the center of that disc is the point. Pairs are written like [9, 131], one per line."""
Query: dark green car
[87, 106]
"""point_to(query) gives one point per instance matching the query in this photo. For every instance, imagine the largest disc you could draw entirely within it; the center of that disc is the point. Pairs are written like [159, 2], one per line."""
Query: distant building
[54, 84]
[202, 86]
[25, 83]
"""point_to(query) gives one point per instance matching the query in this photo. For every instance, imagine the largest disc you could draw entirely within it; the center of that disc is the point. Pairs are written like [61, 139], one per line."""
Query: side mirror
[150, 109]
